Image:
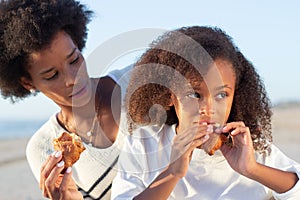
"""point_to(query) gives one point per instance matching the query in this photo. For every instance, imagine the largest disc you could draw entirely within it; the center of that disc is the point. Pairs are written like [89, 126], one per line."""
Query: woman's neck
[98, 119]
[73, 119]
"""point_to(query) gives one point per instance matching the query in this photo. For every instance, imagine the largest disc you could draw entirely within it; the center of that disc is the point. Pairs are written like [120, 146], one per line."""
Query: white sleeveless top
[96, 168]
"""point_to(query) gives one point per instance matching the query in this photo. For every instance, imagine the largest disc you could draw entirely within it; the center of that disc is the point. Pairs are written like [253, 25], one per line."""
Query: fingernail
[69, 169]
[218, 130]
[53, 153]
[57, 154]
[210, 129]
[60, 164]
[206, 137]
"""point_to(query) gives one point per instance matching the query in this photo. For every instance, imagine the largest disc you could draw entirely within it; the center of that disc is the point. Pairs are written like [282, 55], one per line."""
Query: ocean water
[19, 128]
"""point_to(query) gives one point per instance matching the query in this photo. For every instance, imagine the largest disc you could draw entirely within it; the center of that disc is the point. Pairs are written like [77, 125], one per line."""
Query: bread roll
[71, 147]
[215, 141]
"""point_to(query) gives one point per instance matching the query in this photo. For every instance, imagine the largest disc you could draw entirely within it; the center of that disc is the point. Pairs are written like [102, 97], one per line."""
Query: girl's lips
[207, 122]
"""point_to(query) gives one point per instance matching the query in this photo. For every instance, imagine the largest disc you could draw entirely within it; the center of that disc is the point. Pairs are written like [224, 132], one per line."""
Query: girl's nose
[206, 107]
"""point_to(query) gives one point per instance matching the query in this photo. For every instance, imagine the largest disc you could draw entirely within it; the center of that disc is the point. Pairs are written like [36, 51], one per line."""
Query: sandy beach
[17, 181]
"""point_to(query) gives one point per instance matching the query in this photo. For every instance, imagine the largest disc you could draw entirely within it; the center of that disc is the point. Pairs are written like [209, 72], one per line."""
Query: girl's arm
[161, 187]
[182, 149]
[241, 158]
[275, 179]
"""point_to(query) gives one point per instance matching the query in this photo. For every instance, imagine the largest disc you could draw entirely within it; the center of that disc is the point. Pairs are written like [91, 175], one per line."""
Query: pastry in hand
[71, 147]
[215, 141]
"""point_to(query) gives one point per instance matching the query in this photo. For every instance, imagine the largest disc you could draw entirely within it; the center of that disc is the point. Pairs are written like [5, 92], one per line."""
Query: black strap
[87, 194]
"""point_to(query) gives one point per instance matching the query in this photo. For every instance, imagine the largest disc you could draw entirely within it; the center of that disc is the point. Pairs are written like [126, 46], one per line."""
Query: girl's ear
[26, 83]
[172, 100]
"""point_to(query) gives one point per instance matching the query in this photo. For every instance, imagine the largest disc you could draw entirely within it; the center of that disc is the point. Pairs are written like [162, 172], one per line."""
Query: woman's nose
[71, 77]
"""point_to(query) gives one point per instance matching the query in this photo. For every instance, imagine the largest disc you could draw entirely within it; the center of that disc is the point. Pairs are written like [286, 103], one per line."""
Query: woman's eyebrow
[70, 54]
[46, 71]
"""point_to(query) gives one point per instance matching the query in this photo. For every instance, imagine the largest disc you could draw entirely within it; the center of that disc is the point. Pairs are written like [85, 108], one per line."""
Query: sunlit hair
[155, 77]
[28, 26]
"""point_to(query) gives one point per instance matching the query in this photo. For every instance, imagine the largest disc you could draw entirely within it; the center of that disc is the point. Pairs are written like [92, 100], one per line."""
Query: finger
[53, 160]
[47, 168]
[185, 136]
[66, 182]
[232, 125]
[239, 130]
[241, 137]
[42, 170]
[198, 142]
[53, 178]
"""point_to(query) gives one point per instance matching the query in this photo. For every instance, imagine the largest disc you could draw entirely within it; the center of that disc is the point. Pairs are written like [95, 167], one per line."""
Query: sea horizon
[19, 128]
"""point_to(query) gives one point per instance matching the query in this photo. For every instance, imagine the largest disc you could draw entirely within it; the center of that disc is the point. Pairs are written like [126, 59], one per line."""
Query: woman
[190, 81]
[41, 43]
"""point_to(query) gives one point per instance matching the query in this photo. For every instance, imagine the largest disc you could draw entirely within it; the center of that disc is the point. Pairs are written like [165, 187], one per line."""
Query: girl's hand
[183, 146]
[240, 155]
[55, 185]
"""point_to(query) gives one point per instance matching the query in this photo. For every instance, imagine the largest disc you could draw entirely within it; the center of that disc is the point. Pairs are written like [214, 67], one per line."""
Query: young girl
[190, 80]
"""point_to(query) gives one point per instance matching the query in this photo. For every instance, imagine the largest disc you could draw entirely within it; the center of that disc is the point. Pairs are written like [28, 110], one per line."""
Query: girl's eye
[221, 95]
[52, 77]
[194, 95]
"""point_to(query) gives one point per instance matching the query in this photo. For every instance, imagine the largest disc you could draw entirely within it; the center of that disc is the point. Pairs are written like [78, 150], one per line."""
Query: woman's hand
[55, 185]
[183, 146]
[240, 155]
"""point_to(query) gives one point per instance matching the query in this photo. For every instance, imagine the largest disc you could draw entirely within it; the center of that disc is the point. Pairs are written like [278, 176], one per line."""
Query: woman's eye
[221, 95]
[51, 77]
[75, 61]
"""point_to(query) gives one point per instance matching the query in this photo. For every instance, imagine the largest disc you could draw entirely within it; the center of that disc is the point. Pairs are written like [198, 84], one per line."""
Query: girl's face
[208, 101]
[59, 72]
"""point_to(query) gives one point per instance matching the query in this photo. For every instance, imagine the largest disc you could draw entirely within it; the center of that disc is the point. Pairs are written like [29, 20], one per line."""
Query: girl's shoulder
[150, 138]
[275, 158]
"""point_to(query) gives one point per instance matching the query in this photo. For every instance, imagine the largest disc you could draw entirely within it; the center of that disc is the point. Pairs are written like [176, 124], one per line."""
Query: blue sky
[267, 32]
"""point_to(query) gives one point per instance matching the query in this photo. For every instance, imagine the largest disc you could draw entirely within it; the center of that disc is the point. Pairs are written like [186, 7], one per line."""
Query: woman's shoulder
[43, 137]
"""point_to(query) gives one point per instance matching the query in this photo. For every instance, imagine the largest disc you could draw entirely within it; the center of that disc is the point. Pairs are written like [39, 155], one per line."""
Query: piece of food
[71, 147]
[215, 141]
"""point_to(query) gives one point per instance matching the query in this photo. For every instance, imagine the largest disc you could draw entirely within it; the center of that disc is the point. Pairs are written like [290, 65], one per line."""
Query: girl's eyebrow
[223, 86]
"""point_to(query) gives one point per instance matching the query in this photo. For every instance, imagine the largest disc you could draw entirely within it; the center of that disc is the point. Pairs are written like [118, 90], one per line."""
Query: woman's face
[208, 101]
[59, 72]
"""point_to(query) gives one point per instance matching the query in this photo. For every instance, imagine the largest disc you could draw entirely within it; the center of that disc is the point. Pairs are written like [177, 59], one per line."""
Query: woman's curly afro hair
[250, 104]
[30, 25]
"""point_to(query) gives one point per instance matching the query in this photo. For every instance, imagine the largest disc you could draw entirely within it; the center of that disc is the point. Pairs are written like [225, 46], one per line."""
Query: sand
[17, 181]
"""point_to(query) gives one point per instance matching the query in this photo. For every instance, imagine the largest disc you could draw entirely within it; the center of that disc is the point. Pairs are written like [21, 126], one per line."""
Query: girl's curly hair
[191, 51]
[30, 25]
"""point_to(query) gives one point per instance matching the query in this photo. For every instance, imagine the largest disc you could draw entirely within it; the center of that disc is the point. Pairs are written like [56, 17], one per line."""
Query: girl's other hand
[240, 155]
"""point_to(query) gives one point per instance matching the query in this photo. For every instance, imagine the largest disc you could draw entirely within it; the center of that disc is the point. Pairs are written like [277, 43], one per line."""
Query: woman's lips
[79, 92]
